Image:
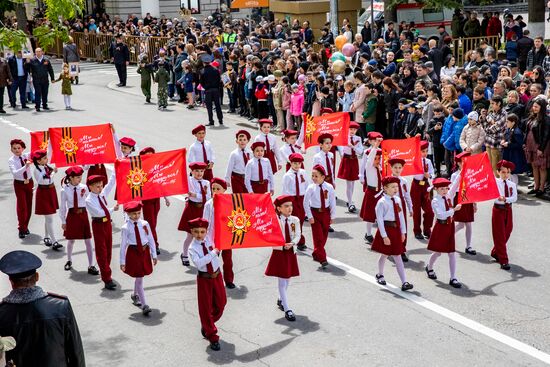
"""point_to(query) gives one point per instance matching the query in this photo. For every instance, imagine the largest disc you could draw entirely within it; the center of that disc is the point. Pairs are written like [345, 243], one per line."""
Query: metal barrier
[461, 46]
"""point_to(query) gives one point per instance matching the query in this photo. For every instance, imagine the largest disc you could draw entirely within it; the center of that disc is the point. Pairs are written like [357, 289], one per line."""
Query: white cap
[473, 116]
[271, 78]
[259, 78]
[265, 79]
[339, 77]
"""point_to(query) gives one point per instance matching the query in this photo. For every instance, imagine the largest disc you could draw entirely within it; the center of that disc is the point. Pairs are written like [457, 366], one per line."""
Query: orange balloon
[340, 41]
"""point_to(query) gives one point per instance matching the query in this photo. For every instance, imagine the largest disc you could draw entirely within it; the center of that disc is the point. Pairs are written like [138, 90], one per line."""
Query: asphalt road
[343, 317]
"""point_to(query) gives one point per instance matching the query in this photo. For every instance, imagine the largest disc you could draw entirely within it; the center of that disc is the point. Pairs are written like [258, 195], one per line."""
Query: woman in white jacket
[473, 135]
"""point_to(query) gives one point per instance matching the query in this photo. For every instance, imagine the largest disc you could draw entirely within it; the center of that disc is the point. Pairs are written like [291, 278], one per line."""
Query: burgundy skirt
[138, 263]
[349, 168]
[190, 212]
[237, 184]
[442, 238]
[269, 154]
[298, 208]
[260, 188]
[465, 214]
[368, 207]
[78, 225]
[46, 200]
[395, 248]
[208, 175]
[282, 264]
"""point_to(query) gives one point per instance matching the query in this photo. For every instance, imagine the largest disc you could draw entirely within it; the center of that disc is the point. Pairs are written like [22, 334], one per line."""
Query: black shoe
[455, 283]
[470, 251]
[46, 108]
[230, 285]
[495, 257]
[532, 192]
[280, 305]
[418, 236]
[330, 229]
[221, 123]
[505, 266]
[427, 236]
[135, 300]
[406, 286]
[539, 193]
[158, 251]
[110, 285]
[215, 346]
[352, 208]
[404, 257]
[431, 273]
[68, 265]
[203, 333]
[37, 109]
[57, 246]
[22, 234]
[92, 270]
[27, 232]
[324, 264]
[184, 260]
[369, 239]
[146, 310]
[289, 315]
[13, 105]
[2, 111]
[119, 85]
[210, 124]
[380, 279]
[47, 242]
[302, 247]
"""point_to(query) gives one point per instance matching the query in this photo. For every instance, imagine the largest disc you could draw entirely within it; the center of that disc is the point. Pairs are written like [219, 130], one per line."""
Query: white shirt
[368, 173]
[236, 162]
[321, 159]
[251, 173]
[430, 170]
[195, 188]
[208, 214]
[287, 149]
[17, 169]
[357, 146]
[512, 192]
[40, 176]
[438, 206]
[128, 235]
[196, 253]
[385, 212]
[67, 199]
[289, 182]
[118, 149]
[272, 145]
[312, 199]
[92, 201]
[294, 228]
[406, 194]
[196, 154]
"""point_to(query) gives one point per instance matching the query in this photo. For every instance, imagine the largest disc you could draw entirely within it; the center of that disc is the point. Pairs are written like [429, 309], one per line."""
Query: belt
[390, 223]
[100, 219]
[45, 186]
[372, 188]
[320, 210]
[78, 210]
[258, 182]
[237, 174]
[198, 205]
[203, 274]
[444, 221]
[420, 182]
[22, 182]
[350, 156]
[503, 206]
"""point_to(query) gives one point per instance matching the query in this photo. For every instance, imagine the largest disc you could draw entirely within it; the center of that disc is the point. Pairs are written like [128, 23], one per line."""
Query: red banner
[151, 176]
[336, 124]
[477, 180]
[81, 145]
[245, 220]
[407, 149]
[39, 140]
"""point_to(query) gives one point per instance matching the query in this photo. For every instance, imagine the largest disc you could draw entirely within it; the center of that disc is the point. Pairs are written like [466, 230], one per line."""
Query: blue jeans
[20, 83]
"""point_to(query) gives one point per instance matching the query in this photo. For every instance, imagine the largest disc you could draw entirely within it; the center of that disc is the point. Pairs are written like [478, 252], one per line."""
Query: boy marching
[19, 164]
[295, 183]
[238, 159]
[421, 197]
[201, 151]
[270, 141]
[258, 176]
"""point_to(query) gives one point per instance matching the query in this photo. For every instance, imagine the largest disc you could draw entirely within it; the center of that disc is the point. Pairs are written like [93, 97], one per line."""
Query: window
[432, 15]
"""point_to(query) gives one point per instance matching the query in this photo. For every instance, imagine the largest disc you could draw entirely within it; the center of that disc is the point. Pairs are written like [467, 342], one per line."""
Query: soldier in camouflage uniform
[146, 71]
[162, 77]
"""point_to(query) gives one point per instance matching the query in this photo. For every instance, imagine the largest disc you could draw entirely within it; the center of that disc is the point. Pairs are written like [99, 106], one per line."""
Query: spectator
[537, 54]
[472, 136]
[472, 27]
[537, 148]
[494, 130]
[512, 146]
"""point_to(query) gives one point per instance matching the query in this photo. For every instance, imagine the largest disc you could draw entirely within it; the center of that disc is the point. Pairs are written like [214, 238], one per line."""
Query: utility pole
[334, 26]
[537, 14]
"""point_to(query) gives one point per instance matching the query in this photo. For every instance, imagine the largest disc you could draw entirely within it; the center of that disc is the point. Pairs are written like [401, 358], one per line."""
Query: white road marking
[422, 302]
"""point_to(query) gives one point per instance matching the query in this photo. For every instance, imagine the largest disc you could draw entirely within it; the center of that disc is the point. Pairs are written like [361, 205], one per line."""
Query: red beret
[353, 125]
[18, 141]
[129, 142]
[390, 179]
[378, 152]
[503, 163]
[198, 223]
[219, 181]
[95, 178]
[296, 157]
[133, 206]
[147, 150]
[288, 133]
[198, 128]
[39, 153]
[441, 182]
[283, 199]
[424, 144]
[197, 165]
[324, 136]
[326, 110]
[265, 121]
[458, 157]
[74, 171]
[243, 132]
[396, 161]
[320, 169]
[257, 144]
[374, 135]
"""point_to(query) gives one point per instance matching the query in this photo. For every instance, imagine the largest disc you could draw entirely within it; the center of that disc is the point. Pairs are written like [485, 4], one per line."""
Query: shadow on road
[237, 293]
[153, 319]
[227, 354]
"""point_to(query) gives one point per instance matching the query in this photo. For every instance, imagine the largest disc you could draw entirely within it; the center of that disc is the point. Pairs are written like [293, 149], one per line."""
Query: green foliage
[47, 35]
[63, 9]
[6, 5]
[14, 39]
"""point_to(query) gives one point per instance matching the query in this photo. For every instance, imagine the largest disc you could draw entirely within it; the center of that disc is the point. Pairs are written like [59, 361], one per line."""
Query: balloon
[337, 56]
[348, 50]
[338, 66]
[340, 41]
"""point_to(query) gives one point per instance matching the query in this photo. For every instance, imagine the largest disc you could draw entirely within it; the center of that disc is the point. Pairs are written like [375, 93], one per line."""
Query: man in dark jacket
[120, 55]
[42, 324]
[19, 68]
[210, 80]
[5, 81]
[536, 55]
[41, 68]
[525, 44]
